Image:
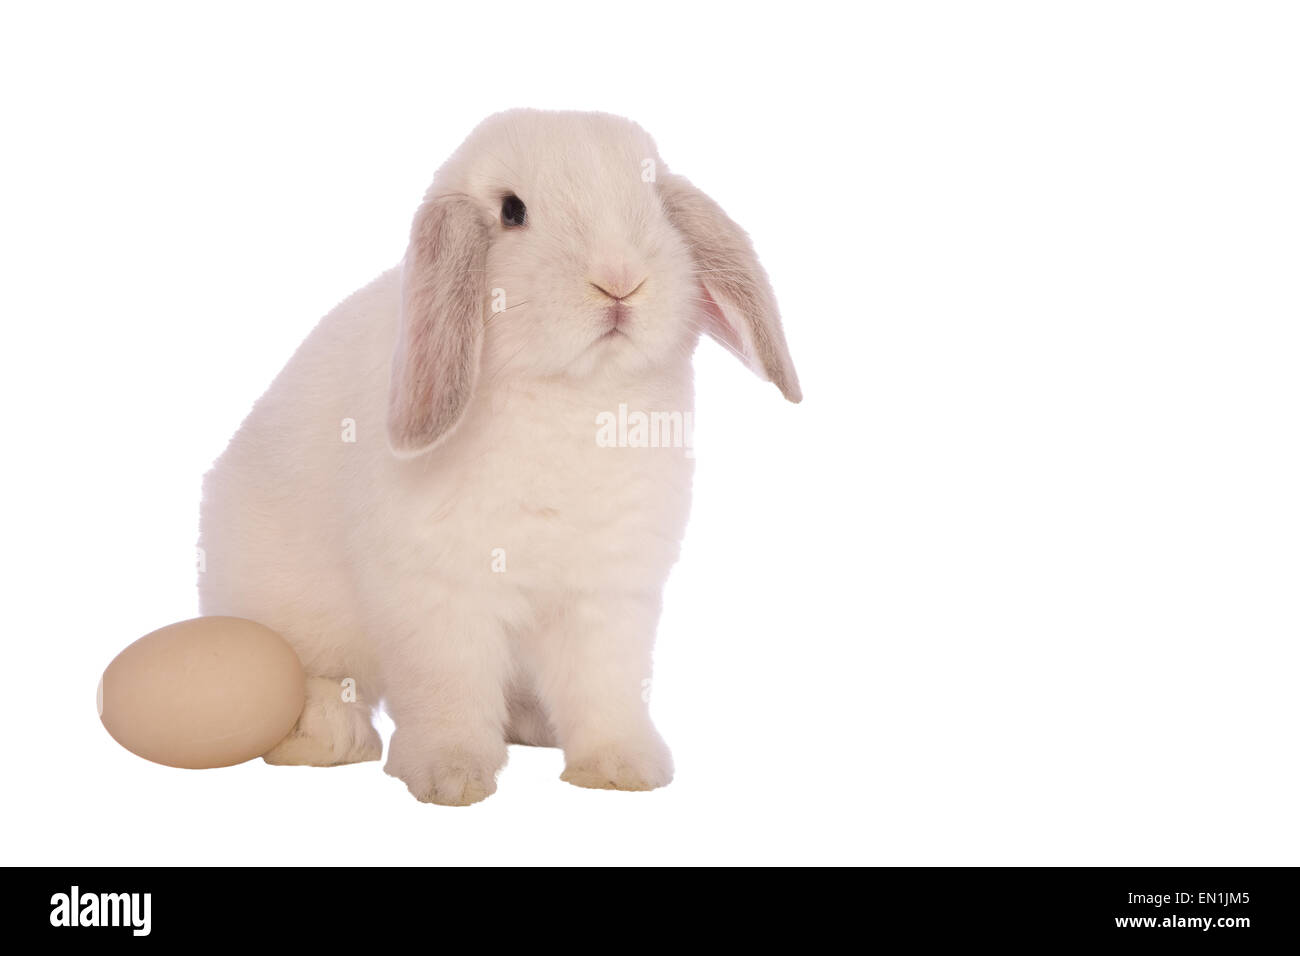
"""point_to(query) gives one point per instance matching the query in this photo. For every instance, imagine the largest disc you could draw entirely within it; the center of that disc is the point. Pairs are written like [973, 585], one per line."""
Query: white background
[1017, 582]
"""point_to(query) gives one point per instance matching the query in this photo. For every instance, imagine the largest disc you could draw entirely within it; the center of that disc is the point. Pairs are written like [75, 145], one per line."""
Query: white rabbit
[475, 560]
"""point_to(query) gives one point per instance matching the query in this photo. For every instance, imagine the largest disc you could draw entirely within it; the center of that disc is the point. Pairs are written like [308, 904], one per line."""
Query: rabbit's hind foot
[334, 728]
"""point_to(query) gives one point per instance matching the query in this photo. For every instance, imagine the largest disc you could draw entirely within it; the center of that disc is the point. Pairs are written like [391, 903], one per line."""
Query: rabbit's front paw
[643, 764]
[450, 776]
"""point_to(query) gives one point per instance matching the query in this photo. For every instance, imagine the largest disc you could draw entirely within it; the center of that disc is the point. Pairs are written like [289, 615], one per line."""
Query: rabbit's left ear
[736, 304]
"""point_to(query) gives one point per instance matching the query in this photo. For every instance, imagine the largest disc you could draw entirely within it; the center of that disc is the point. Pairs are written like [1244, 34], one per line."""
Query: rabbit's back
[274, 501]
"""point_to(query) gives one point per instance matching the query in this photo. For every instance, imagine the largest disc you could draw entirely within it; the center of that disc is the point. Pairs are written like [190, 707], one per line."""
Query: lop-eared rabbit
[420, 503]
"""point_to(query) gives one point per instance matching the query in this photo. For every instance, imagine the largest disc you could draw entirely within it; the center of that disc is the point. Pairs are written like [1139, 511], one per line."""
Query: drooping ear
[736, 303]
[440, 329]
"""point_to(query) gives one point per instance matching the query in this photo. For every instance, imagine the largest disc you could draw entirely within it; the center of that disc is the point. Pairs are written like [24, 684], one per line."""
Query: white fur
[379, 567]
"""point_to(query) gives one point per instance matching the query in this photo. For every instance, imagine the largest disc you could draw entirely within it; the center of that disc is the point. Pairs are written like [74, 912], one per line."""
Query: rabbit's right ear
[440, 330]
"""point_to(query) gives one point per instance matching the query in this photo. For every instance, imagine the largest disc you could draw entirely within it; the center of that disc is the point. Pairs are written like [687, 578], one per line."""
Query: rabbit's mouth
[616, 315]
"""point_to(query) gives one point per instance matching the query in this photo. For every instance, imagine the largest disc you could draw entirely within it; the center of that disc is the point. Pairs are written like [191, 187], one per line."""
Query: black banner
[1223, 907]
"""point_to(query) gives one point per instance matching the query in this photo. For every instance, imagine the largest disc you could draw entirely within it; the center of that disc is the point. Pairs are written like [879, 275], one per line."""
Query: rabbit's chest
[562, 512]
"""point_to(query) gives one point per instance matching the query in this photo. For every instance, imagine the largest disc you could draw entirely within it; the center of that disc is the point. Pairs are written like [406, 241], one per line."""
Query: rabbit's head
[556, 245]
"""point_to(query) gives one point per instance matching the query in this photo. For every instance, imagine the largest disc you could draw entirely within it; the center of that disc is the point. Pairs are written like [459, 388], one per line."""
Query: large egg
[210, 692]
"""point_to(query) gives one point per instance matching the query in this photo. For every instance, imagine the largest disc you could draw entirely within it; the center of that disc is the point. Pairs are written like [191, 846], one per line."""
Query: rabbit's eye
[513, 211]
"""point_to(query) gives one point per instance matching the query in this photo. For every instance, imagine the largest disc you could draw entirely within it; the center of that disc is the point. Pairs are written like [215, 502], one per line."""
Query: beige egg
[210, 692]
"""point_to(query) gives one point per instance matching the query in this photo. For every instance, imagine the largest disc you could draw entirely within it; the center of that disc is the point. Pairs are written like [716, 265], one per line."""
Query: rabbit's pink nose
[617, 287]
